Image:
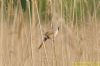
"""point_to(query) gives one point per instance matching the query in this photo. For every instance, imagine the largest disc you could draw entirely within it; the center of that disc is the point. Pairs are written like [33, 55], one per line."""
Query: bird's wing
[49, 33]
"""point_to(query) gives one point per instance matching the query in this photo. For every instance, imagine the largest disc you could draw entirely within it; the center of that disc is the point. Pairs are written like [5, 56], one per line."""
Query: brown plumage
[44, 39]
[48, 35]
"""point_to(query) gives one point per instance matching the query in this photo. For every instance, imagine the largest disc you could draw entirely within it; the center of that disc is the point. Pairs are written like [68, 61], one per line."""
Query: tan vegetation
[21, 32]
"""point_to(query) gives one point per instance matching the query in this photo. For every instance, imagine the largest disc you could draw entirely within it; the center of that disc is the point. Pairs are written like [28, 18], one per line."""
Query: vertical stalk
[62, 36]
[30, 25]
[40, 27]
[1, 28]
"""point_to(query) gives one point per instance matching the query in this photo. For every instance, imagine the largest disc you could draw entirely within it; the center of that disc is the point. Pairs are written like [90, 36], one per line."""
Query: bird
[49, 35]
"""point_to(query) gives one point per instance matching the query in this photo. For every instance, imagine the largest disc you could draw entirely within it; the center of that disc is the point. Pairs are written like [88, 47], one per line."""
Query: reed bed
[23, 23]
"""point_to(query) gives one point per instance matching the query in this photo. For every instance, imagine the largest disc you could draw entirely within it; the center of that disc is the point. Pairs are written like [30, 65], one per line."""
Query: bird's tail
[40, 45]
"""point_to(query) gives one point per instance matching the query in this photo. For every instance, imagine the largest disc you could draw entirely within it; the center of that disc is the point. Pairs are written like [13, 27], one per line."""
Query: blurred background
[23, 23]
